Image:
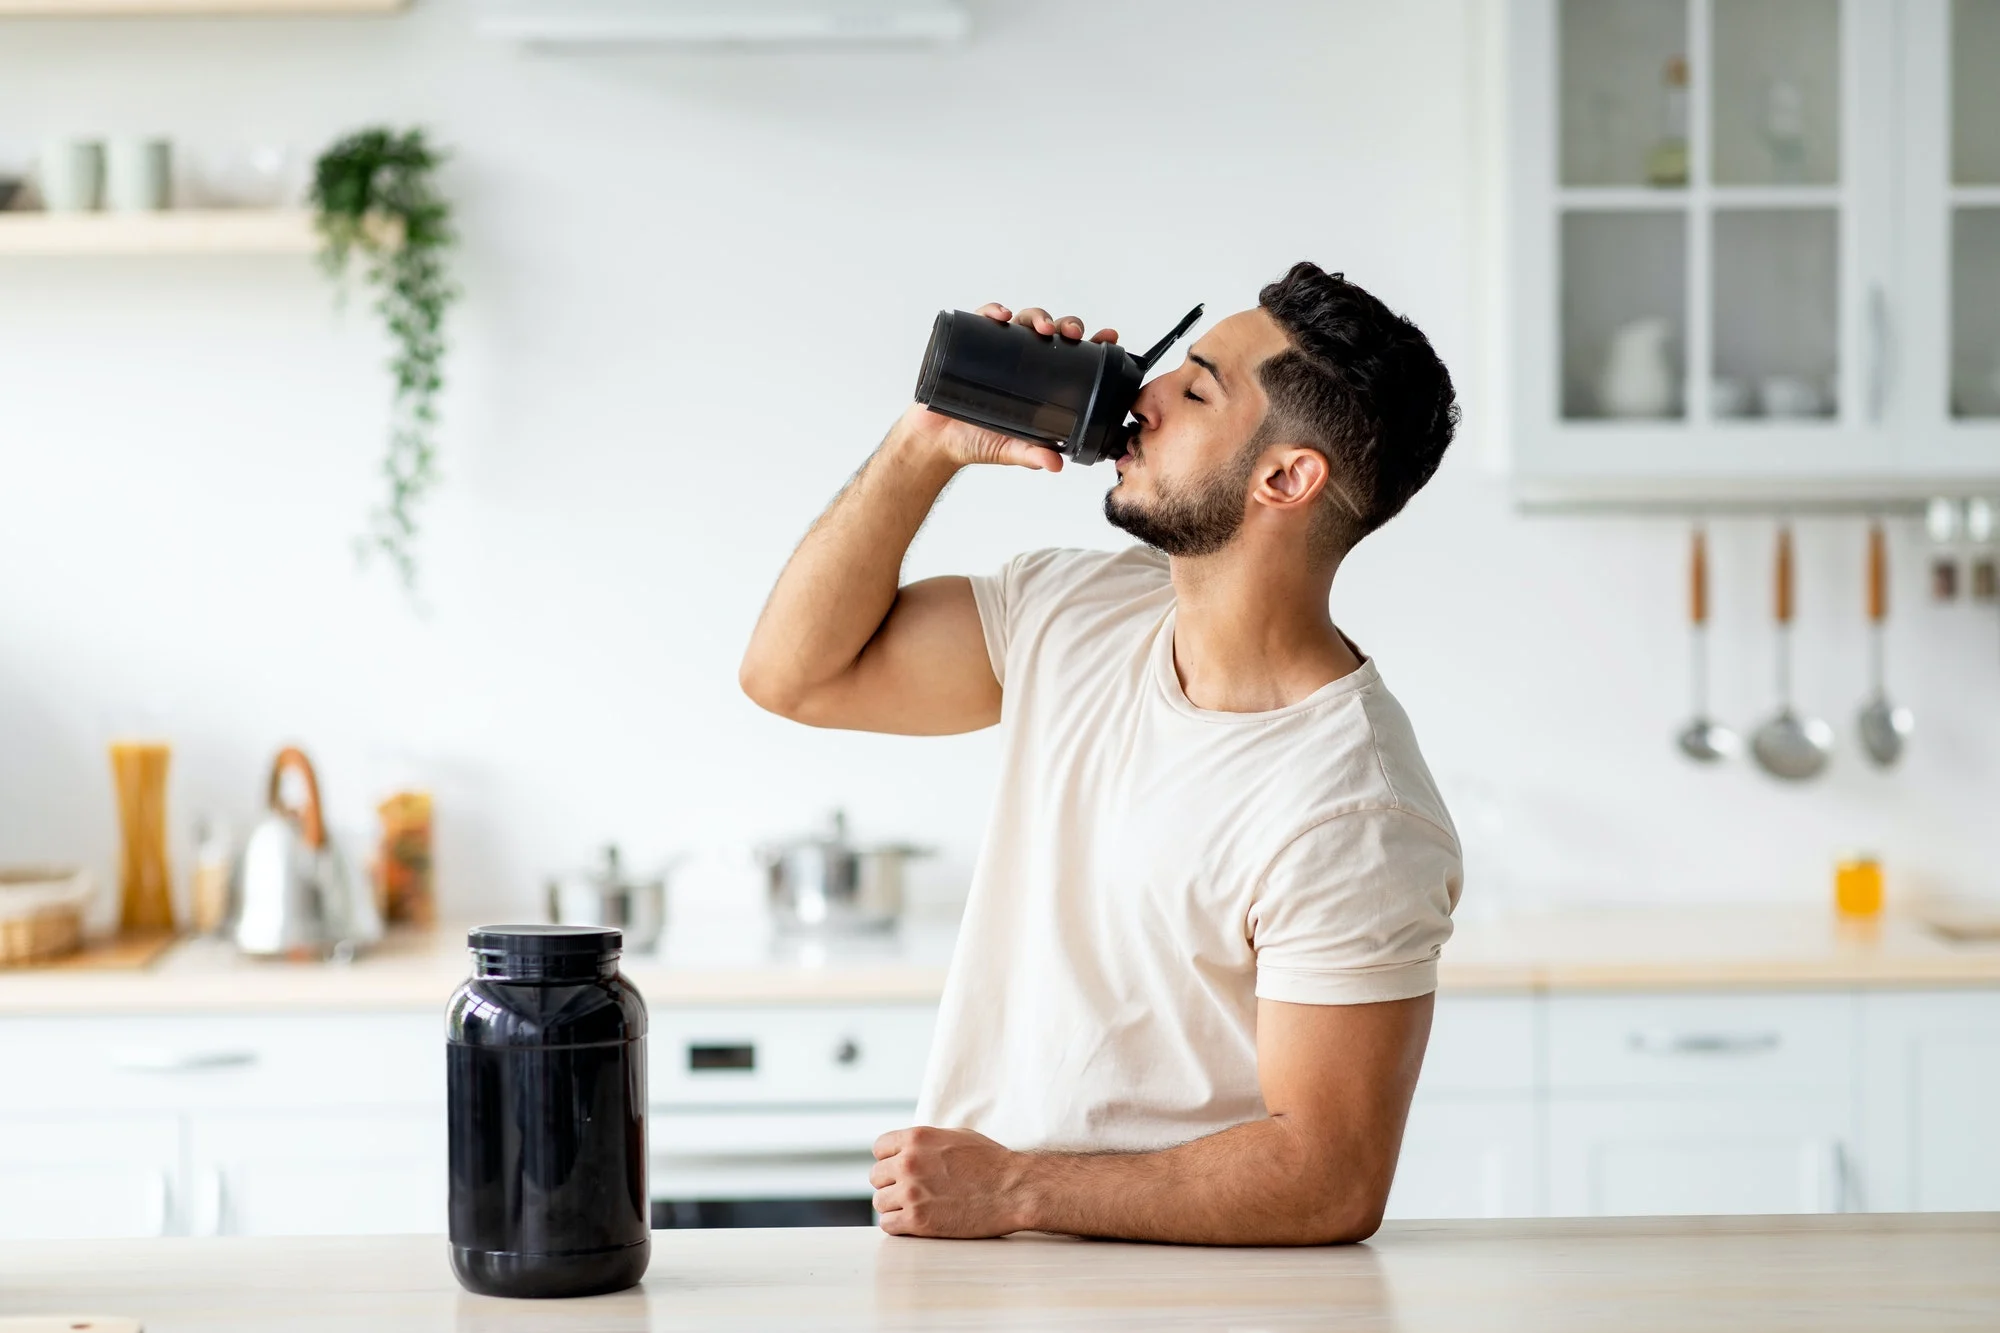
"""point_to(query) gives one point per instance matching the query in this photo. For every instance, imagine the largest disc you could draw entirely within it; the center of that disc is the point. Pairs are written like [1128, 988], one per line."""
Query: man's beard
[1188, 523]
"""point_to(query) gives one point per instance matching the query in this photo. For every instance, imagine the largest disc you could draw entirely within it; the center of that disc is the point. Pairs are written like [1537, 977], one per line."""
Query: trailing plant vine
[374, 195]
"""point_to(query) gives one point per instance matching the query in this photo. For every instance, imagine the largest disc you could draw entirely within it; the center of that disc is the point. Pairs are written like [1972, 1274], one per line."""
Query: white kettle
[291, 893]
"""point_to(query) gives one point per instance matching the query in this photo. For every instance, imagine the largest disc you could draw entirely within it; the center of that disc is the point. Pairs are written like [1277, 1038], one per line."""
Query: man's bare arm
[839, 644]
[1337, 1082]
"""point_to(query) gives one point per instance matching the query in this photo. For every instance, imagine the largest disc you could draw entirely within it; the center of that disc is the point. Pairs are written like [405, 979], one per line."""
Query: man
[1193, 985]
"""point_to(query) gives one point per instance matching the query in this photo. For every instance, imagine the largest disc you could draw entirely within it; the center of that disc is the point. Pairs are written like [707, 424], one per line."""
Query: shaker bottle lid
[540, 941]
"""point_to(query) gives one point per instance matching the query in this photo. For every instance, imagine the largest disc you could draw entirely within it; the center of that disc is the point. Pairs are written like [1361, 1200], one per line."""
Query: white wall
[696, 287]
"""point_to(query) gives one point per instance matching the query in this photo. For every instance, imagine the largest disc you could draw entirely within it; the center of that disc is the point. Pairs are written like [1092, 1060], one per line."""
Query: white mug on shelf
[1790, 396]
[1730, 397]
[70, 173]
[137, 170]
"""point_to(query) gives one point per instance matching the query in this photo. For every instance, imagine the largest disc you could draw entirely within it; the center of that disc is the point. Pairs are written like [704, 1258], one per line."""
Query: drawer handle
[1703, 1043]
[848, 1052]
[180, 1062]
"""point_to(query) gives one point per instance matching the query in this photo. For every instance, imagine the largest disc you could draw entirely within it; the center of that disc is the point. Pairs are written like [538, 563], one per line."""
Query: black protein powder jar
[546, 1084]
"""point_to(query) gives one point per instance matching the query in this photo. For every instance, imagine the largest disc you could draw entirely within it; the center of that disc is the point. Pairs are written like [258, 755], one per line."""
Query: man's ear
[1291, 478]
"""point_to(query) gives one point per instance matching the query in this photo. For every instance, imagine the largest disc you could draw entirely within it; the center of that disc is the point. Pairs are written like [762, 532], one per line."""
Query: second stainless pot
[604, 897]
[826, 883]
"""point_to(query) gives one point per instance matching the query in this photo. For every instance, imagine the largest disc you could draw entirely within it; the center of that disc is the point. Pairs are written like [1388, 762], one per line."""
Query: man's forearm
[841, 581]
[1261, 1183]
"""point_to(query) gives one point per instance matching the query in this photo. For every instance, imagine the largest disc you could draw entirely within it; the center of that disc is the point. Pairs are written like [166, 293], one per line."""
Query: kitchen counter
[1902, 1272]
[1612, 949]
[419, 969]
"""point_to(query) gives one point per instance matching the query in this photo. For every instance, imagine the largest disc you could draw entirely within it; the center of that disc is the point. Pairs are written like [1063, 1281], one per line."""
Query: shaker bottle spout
[1159, 348]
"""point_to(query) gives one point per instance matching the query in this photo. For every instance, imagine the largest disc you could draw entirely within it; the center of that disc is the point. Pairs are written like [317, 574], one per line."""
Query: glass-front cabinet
[1755, 246]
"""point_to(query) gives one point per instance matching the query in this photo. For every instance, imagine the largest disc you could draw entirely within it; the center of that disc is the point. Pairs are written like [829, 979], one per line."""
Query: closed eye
[1190, 393]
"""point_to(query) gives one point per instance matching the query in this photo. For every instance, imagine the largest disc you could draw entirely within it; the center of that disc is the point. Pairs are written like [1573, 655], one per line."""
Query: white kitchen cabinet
[230, 1124]
[1701, 1103]
[1468, 1156]
[1930, 1100]
[1755, 247]
[1623, 1156]
[90, 1176]
[1472, 1148]
[355, 1172]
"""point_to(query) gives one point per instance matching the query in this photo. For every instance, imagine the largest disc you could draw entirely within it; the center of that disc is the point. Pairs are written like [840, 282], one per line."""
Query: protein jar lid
[537, 952]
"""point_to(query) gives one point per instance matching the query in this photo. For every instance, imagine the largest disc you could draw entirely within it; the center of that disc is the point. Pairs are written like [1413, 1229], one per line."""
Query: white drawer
[223, 1061]
[1737, 1040]
[1481, 1044]
[788, 1054]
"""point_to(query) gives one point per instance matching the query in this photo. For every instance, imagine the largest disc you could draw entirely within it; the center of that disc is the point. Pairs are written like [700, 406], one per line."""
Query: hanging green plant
[374, 195]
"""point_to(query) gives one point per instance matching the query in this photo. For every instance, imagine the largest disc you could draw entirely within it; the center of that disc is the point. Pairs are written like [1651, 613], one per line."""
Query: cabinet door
[1931, 1100]
[1620, 1157]
[1947, 367]
[1468, 1157]
[1703, 245]
[89, 1177]
[359, 1172]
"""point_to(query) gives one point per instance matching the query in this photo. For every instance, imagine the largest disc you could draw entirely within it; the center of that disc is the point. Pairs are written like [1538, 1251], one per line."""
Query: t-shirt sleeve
[1012, 597]
[1355, 910]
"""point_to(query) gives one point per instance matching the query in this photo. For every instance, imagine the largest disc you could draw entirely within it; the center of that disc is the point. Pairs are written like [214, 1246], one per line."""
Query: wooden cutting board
[118, 953]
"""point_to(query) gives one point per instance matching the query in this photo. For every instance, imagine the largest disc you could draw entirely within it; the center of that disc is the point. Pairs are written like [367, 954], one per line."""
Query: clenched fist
[948, 1182]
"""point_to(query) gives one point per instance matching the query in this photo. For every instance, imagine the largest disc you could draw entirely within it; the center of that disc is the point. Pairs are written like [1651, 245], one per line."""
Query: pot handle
[311, 824]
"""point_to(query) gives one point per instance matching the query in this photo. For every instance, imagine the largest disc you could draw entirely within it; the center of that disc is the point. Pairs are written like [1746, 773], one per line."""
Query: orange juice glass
[1857, 886]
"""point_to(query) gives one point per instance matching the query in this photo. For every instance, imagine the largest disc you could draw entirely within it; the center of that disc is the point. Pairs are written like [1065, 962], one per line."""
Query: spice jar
[546, 1085]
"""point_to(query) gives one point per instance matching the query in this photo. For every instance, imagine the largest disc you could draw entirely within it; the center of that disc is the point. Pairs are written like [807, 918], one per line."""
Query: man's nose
[1146, 406]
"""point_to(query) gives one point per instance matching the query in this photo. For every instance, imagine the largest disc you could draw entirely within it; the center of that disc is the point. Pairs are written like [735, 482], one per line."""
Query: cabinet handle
[848, 1052]
[180, 1062]
[160, 1204]
[1881, 352]
[1703, 1043]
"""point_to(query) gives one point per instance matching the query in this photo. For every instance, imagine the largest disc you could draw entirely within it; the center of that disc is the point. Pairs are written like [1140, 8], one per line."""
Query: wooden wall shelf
[191, 8]
[245, 231]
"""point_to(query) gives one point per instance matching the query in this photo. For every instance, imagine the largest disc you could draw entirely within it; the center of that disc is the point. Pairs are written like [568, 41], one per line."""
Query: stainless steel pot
[825, 883]
[604, 897]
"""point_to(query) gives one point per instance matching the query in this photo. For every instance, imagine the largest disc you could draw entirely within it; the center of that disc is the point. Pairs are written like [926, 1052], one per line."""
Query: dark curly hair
[1361, 385]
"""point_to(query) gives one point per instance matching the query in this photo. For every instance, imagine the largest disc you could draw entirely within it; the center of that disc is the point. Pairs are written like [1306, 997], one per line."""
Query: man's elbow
[1343, 1214]
[772, 691]
[1349, 1226]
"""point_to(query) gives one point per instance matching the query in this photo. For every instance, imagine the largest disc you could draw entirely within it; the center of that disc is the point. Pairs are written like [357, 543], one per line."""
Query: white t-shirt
[1152, 869]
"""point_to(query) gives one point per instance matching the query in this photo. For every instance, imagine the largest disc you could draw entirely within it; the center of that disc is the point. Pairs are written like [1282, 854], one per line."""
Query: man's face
[1183, 483]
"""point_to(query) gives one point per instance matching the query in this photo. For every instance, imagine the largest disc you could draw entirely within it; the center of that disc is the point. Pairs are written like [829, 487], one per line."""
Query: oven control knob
[848, 1052]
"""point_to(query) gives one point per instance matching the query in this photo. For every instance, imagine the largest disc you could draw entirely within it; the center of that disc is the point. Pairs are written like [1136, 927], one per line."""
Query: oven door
[766, 1167]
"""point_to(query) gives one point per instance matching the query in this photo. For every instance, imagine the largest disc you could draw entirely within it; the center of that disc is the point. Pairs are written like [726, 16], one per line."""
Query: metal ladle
[1789, 747]
[1883, 727]
[1702, 740]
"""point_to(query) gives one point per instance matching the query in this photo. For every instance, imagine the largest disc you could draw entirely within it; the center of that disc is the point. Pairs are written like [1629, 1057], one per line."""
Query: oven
[766, 1116]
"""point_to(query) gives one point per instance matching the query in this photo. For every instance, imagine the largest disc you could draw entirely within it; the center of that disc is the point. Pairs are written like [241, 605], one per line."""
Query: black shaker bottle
[546, 1085]
[1070, 396]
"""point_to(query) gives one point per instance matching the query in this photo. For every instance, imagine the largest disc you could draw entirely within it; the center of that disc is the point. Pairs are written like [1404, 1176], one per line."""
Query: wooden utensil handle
[311, 823]
[1878, 574]
[1785, 575]
[1698, 579]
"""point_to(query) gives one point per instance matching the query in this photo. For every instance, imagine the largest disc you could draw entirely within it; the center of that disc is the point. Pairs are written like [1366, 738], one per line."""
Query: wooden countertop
[1900, 1272]
[1709, 947]
[1612, 949]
